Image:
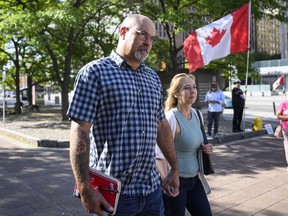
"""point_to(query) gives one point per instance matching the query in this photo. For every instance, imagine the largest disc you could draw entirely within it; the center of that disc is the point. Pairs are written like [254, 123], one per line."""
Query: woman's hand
[207, 148]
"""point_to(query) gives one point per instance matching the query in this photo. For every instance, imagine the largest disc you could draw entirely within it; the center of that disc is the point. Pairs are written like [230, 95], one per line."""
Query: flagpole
[247, 66]
[245, 91]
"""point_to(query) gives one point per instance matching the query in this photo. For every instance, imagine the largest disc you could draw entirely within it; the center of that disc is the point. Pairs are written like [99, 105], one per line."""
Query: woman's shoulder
[169, 114]
[284, 104]
[196, 111]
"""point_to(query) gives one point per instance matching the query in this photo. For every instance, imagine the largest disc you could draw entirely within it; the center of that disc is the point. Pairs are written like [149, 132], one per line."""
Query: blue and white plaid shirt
[125, 107]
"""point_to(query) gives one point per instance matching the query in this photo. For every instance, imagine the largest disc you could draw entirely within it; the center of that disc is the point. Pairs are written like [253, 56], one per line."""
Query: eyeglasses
[145, 36]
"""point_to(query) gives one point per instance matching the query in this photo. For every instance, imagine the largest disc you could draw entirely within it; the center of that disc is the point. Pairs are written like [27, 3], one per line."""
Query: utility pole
[4, 95]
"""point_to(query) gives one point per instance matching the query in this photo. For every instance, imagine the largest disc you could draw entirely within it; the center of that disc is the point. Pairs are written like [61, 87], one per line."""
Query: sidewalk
[250, 179]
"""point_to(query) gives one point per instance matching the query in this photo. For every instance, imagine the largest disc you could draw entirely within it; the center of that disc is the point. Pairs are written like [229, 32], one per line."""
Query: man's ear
[123, 31]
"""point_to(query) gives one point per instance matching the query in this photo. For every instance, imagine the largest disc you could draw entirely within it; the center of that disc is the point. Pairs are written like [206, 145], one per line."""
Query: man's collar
[120, 61]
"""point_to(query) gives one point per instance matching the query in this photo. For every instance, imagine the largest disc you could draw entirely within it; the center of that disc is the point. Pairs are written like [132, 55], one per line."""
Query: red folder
[108, 186]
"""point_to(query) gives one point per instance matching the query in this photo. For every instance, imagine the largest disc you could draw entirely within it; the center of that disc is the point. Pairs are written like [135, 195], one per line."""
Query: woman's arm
[281, 117]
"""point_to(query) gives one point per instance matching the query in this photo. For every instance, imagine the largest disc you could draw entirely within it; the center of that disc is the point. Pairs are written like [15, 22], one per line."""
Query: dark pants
[192, 196]
[150, 205]
[213, 116]
[237, 117]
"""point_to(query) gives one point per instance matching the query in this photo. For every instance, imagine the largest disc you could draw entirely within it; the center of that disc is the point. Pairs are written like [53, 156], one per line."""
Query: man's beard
[141, 55]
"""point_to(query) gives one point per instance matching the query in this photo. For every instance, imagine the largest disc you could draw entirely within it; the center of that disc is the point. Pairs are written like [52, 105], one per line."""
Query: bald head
[136, 21]
[135, 39]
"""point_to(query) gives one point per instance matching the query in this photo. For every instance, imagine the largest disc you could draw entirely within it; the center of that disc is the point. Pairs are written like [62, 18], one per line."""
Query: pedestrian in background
[188, 138]
[238, 103]
[215, 98]
[116, 118]
[282, 115]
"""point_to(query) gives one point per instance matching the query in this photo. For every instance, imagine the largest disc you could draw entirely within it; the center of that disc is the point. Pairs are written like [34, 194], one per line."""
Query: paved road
[250, 179]
[259, 106]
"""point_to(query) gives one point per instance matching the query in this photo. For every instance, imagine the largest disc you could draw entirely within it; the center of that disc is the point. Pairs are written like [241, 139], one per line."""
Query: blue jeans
[151, 205]
[192, 196]
[213, 116]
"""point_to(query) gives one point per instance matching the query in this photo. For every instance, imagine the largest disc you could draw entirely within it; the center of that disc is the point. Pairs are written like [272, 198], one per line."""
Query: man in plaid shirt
[116, 119]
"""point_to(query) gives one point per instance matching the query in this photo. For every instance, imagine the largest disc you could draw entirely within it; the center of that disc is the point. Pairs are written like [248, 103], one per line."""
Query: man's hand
[171, 184]
[93, 201]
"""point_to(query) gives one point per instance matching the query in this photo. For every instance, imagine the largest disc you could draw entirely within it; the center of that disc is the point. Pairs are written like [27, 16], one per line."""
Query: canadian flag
[225, 36]
[279, 81]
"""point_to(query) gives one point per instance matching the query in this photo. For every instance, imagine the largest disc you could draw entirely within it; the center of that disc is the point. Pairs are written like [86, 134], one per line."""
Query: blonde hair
[175, 86]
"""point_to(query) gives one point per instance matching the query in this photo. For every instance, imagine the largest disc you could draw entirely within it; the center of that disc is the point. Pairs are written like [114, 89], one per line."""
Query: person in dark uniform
[238, 102]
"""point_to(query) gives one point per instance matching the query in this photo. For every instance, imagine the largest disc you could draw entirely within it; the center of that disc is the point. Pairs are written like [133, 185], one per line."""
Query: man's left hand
[171, 184]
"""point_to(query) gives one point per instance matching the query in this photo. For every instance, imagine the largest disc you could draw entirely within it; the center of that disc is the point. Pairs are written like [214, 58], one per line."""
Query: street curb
[32, 141]
[237, 136]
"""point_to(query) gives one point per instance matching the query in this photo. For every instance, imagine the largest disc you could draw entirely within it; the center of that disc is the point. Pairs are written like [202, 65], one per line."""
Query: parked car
[228, 102]
[8, 94]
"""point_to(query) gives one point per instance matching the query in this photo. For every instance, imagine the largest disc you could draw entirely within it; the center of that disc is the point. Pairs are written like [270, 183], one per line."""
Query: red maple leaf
[215, 37]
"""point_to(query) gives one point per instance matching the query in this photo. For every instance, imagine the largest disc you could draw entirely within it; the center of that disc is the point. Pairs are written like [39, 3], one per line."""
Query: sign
[269, 129]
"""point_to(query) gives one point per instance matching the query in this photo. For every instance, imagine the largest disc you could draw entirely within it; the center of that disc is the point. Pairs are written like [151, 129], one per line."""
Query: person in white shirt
[215, 98]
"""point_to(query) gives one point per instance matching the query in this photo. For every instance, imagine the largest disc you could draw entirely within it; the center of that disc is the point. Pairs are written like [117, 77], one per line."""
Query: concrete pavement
[36, 181]
[250, 179]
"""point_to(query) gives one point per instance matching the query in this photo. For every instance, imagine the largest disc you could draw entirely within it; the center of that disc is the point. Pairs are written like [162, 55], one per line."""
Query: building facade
[284, 36]
[265, 36]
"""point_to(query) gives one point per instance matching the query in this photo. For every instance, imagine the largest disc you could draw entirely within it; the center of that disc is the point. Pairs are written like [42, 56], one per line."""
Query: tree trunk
[29, 90]
[173, 58]
[65, 100]
[18, 109]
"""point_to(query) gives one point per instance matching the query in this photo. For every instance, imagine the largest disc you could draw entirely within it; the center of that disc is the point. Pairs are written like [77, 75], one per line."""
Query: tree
[16, 43]
[174, 18]
[66, 34]
[76, 33]
[11, 46]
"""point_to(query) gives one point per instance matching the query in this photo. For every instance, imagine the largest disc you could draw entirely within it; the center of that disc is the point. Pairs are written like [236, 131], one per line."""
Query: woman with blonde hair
[188, 139]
